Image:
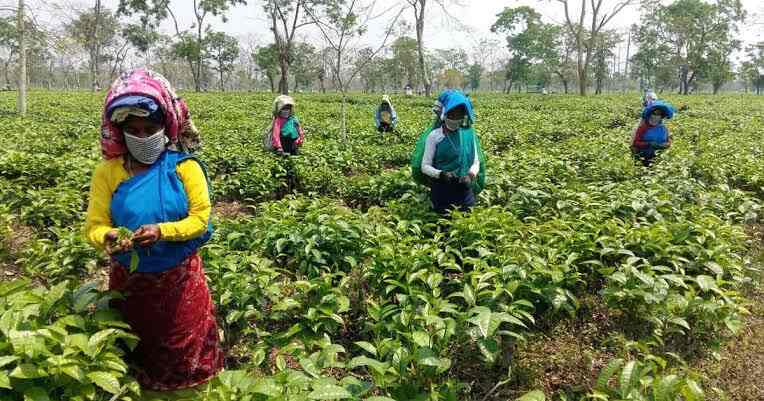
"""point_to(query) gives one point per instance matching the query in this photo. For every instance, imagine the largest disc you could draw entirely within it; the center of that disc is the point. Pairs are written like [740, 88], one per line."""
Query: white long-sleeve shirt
[433, 139]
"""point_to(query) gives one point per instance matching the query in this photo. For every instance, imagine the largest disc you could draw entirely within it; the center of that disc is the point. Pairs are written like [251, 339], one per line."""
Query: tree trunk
[197, 72]
[222, 87]
[598, 87]
[21, 101]
[284, 81]
[96, 49]
[684, 84]
[419, 18]
[6, 72]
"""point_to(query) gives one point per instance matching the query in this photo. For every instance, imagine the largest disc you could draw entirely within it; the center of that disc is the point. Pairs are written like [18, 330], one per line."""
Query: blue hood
[452, 99]
[666, 107]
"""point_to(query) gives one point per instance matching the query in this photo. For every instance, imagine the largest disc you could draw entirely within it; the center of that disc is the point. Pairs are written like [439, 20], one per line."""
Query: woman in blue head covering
[437, 107]
[451, 157]
[651, 135]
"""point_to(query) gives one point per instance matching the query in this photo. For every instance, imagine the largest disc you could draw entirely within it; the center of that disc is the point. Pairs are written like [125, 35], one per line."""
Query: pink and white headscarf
[178, 127]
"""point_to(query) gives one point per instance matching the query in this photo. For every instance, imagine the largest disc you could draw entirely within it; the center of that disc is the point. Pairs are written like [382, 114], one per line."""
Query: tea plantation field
[578, 276]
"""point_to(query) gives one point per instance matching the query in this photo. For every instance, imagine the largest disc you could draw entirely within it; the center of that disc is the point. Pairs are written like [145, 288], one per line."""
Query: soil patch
[231, 209]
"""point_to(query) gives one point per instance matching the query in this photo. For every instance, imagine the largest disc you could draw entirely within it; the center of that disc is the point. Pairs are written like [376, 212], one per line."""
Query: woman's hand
[113, 245]
[147, 235]
[467, 179]
[448, 177]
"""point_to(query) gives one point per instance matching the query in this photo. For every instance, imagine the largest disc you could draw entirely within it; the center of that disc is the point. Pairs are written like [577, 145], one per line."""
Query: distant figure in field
[649, 98]
[651, 134]
[409, 92]
[448, 157]
[385, 117]
[286, 133]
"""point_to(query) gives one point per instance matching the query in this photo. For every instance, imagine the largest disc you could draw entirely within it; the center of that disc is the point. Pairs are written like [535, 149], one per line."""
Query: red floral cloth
[173, 315]
[177, 120]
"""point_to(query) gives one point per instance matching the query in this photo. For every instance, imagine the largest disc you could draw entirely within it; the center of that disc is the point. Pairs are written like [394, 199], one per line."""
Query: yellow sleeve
[199, 205]
[98, 219]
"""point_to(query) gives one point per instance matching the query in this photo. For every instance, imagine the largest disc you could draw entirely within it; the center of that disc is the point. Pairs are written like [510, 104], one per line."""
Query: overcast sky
[477, 16]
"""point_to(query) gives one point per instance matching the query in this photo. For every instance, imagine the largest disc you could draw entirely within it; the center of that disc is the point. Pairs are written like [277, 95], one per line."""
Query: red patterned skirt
[173, 315]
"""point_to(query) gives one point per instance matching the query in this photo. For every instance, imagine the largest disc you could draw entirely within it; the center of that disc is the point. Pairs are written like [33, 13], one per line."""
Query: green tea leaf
[421, 338]
[267, 386]
[706, 283]
[608, 372]
[535, 395]
[36, 394]
[134, 261]
[326, 391]
[368, 347]
[692, 391]
[4, 360]
[106, 381]
[5, 381]
[28, 371]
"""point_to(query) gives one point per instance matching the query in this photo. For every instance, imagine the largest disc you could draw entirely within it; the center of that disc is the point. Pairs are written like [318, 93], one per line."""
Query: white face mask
[146, 150]
[453, 125]
[285, 113]
[654, 119]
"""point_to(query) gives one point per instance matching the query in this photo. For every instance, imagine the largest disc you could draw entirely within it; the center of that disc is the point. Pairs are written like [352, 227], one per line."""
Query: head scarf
[455, 99]
[178, 127]
[386, 100]
[437, 107]
[665, 107]
[280, 102]
[141, 106]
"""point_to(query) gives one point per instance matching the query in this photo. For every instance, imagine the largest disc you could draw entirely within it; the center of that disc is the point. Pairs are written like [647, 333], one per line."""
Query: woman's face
[456, 114]
[140, 127]
[655, 117]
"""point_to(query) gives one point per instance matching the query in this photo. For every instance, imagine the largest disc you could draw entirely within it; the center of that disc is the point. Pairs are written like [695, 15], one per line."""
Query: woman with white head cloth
[286, 133]
[649, 99]
[385, 117]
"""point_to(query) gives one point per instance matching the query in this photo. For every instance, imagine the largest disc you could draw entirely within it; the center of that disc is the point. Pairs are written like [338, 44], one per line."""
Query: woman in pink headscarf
[151, 184]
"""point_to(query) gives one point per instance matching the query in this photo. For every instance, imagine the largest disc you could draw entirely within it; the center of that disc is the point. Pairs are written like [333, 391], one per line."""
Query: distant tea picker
[385, 118]
[150, 184]
[651, 134]
[285, 135]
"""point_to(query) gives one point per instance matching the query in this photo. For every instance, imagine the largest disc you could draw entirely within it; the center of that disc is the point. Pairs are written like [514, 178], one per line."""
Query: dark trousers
[645, 156]
[448, 196]
[289, 145]
[384, 127]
